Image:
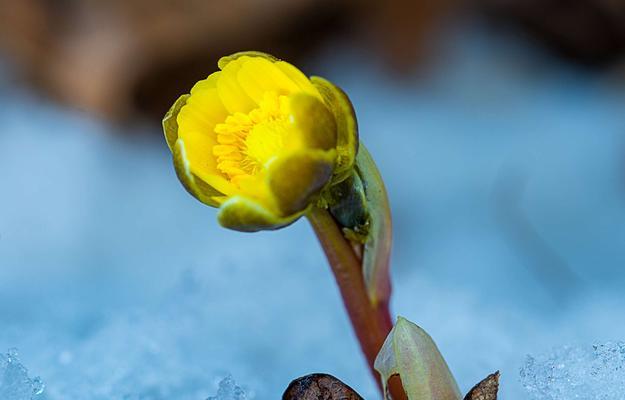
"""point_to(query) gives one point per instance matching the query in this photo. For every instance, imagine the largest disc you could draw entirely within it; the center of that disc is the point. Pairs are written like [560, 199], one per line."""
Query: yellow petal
[209, 83]
[198, 189]
[258, 76]
[204, 110]
[246, 215]
[199, 146]
[230, 91]
[314, 122]
[196, 124]
[198, 149]
[215, 180]
[347, 127]
[224, 61]
[299, 78]
[296, 178]
[255, 187]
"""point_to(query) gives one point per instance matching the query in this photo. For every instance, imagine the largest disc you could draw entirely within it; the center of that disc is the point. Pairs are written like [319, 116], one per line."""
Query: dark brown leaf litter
[485, 390]
[319, 387]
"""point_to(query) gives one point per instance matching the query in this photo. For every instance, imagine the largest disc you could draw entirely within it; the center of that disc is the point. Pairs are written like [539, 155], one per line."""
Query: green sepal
[377, 250]
[223, 61]
[296, 178]
[170, 123]
[410, 352]
[243, 214]
[192, 183]
[346, 124]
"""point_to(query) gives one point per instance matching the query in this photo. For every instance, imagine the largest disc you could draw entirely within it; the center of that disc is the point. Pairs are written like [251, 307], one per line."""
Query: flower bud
[412, 354]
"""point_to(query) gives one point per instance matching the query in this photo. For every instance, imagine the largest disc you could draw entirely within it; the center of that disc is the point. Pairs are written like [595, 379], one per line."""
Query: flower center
[248, 142]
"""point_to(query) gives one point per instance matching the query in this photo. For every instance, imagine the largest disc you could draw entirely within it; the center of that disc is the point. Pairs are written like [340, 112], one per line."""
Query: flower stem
[370, 323]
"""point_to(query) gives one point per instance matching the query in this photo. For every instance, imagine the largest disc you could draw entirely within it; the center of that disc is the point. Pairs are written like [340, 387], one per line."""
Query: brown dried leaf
[319, 387]
[486, 389]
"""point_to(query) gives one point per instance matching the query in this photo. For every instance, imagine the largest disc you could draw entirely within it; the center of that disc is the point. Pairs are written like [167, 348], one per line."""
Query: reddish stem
[371, 324]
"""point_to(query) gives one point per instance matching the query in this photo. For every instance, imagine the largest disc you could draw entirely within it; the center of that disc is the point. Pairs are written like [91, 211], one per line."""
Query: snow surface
[594, 372]
[505, 172]
[15, 383]
[228, 390]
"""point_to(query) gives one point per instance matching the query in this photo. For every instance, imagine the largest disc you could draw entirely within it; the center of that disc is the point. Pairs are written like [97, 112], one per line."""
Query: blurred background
[499, 126]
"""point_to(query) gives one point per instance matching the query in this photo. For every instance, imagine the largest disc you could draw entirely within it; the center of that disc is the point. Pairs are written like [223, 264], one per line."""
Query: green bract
[412, 354]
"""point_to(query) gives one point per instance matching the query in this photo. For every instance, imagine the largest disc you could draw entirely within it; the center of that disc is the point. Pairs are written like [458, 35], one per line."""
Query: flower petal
[258, 76]
[314, 121]
[296, 178]
[197, 188]
[246, 215]
[230, 91]
[199, 145]
[299, 78]
[347, 126]
[201, 163]
[196, 123]
[209, 83]
[202, 111]
[224, 61]
[170, 123]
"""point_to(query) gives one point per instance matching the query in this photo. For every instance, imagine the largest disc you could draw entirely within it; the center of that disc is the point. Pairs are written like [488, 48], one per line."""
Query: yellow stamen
[248, 142]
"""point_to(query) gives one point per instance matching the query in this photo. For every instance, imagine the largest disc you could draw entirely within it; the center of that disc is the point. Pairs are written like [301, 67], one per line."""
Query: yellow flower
[261, 141]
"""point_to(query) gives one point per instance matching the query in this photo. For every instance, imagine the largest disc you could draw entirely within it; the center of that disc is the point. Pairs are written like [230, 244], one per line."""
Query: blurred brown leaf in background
[113, 58]
[117, 59]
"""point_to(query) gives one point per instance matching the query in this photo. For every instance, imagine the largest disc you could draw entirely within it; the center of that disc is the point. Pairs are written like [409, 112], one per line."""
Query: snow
[591, 372]
[15, 384]
[504, 170]
[228, 390]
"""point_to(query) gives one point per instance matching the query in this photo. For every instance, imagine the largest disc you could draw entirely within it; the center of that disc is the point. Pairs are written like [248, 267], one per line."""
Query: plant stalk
[370, 323]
